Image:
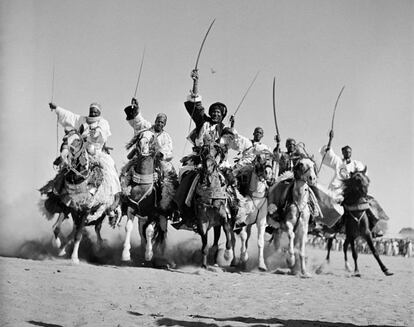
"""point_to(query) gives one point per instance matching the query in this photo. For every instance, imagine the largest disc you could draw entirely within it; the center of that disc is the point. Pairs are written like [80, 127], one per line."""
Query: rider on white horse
[95, 130]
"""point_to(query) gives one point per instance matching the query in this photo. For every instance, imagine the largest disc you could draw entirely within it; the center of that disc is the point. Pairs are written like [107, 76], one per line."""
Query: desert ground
[40, 289]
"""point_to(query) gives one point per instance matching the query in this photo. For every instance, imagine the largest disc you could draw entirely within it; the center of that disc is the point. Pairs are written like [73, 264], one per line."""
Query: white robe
[111, 185]
[341, 167]
[162, 140]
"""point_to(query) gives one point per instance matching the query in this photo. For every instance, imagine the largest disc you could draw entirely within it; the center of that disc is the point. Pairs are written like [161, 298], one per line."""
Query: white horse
[295, 198]
[254, 207]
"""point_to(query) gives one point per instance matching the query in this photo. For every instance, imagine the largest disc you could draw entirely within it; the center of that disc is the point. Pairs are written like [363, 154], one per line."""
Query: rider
[161, 145]
[208, 128]
[95, 130]
[344, 167]
[286, 160]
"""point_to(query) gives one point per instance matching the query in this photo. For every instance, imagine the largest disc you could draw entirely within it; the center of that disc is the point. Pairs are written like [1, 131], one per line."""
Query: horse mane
[355, 187]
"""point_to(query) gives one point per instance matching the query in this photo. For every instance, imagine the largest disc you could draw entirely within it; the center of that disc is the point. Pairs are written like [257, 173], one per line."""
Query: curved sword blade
[202, 43]
[139, 74]
[274, 105]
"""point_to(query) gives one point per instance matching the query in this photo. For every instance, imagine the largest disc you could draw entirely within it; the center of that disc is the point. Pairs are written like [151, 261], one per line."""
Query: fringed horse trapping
[78, 190]
[358, 218]
[253, 206]
[292, 202]
[148, 190]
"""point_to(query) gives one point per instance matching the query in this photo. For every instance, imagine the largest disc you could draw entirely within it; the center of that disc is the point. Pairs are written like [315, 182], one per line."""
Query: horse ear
[365, 169]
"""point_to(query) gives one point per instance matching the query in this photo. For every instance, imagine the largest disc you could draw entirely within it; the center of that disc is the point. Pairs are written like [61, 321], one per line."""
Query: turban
[258, 129]
[346, 147]
[162, 116]
[221, 106]
[290, 140]
[96, 106]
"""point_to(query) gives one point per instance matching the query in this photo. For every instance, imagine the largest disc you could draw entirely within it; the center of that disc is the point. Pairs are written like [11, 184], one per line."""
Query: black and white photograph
[207, 163]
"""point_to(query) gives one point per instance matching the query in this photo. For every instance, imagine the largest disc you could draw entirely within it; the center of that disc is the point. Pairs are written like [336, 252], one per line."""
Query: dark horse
[210, 201]
[142, 197]
[77, 191]
[356, 218]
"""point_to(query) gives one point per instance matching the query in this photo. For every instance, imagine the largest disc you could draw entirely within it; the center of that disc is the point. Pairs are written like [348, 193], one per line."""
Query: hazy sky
[312, 47]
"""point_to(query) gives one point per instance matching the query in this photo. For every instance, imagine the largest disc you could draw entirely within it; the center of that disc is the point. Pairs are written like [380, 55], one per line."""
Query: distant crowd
[384, 246]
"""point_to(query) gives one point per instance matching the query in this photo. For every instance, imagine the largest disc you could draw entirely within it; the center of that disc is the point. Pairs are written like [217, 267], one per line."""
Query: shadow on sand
[256, 322]
[43, 324]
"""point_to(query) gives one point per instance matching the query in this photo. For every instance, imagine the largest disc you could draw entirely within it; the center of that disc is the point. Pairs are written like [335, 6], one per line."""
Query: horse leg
[78, 237]
[291, 236]
[368, 238]
[228, 232]
[244, 237]
[202, 228]
[233, 247]
[149, 235]
[355, 257]
[261, 226]
[277, 235]
[57, 242]
[126, 255]
[98, 228]
[347, 266]
[302, 254]
[215, 249]
[329, 248]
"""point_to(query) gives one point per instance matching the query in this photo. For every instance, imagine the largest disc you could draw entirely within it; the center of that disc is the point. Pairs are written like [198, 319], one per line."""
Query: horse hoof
[356, 274]
[148, 256]
[306, 275]
[262, 268]
[388, 273]
[75, 261]
[227, 255]
[62, 253]
[233, 263]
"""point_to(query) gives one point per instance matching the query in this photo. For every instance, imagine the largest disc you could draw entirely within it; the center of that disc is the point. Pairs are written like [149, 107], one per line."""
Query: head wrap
[290, 140]
[346, 147]
[96, 106]
[161, 116]
[221, 106]
[257, 129]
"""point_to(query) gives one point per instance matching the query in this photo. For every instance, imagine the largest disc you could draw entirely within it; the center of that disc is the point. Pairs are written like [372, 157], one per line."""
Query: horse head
[263, 165]
[212, 155]
[356, 186]
[304, 170]
[144, 142]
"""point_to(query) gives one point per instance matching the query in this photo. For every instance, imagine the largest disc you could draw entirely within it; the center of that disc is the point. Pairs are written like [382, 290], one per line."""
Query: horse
[209, 202]
[142, 197]
[292, 203]
[78, 190]
[357, 218]
[254, 207]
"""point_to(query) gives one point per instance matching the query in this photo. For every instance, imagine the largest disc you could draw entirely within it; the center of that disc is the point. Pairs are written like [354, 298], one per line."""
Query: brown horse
[142, 198]
[210, 201]
[81, 194]
[357, 218]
